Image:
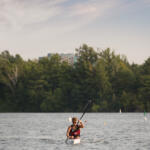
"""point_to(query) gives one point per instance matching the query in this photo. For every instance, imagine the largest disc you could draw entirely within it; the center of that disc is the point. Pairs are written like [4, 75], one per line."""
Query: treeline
[50, 85]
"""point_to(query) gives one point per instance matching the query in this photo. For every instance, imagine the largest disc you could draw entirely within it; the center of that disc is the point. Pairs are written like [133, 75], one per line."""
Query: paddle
[85, 108]
[84, 111]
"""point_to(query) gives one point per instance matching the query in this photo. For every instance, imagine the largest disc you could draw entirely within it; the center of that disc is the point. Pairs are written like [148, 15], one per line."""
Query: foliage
[50, 85]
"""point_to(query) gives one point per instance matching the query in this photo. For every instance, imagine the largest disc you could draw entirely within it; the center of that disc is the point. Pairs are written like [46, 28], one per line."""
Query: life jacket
[75, 132]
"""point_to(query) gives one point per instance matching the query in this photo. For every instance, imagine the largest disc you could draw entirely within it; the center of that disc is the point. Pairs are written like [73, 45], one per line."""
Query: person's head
[74, 120]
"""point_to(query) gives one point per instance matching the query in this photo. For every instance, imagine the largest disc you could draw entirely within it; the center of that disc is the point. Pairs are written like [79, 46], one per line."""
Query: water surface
[46, 131]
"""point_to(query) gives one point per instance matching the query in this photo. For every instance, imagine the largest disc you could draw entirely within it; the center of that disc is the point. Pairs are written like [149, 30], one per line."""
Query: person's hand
[71, 137]
[80, 121]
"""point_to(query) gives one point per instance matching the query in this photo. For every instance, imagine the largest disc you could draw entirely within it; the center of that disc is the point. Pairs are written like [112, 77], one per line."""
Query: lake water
[46, 131]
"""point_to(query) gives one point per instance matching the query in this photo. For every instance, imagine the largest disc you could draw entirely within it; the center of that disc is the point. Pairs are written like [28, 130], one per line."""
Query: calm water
[46, 131]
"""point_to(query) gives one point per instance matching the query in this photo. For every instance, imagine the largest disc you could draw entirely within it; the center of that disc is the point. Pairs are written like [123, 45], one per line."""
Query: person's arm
[80, 124]
[68, 131]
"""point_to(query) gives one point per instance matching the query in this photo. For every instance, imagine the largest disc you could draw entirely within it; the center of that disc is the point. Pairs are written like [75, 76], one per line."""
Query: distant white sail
[70, 119]
[145, 118]
[120, 111]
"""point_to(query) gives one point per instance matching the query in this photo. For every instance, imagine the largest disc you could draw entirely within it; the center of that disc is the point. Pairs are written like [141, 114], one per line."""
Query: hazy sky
[33, 28]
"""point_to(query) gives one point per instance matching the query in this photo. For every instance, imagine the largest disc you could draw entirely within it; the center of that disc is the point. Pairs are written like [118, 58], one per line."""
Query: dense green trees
[50, 85]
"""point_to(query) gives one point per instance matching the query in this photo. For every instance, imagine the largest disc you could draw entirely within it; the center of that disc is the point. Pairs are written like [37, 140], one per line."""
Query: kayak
[73, 141]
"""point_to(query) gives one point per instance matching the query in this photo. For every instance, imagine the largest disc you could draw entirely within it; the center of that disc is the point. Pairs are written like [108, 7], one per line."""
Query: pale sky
[34, 28]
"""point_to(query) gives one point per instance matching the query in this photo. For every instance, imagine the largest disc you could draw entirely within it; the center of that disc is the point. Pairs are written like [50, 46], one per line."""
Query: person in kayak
[73, 131]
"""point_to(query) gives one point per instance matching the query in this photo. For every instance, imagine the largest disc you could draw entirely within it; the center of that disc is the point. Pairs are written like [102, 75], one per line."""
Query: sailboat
[120, 110]
[145, 118]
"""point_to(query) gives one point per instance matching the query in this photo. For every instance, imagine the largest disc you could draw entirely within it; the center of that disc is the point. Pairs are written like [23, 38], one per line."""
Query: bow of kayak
[73, 141]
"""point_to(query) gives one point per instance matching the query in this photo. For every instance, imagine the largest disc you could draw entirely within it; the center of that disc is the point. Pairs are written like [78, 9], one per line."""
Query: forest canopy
[52, 85]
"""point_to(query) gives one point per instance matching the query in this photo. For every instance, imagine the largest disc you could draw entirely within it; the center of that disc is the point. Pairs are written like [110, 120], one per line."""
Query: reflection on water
[46, 131]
